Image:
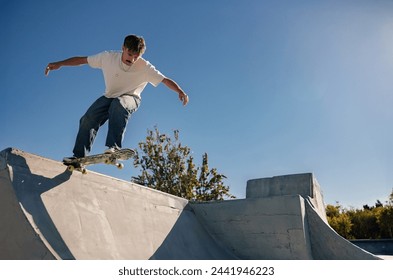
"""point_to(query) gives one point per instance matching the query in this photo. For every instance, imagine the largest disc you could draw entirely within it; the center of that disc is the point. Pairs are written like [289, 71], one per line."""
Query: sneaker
[111, 150]
[68, 160]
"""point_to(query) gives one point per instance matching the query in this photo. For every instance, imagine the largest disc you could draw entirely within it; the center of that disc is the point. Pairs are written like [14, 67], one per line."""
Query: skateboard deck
[80, 164]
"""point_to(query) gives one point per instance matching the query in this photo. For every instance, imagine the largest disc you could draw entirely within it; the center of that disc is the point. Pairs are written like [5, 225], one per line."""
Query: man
[126, 74]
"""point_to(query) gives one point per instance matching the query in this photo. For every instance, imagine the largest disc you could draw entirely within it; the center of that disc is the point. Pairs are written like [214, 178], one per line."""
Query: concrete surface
[47, 212]
[375, 246]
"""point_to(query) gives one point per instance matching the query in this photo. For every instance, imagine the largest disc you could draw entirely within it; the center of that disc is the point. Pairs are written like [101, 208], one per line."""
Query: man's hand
[183, 98]
[51, 66]
[72, 61]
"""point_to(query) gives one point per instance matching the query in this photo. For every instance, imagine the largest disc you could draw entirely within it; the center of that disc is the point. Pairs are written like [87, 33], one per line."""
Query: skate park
[51, 213]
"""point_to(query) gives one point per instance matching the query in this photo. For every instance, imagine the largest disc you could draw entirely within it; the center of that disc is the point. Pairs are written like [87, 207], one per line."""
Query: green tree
[371, 222]
[339, 220]
[384, 218]
[168, 166]
[332, 211]
[364, 224]
[210, 185]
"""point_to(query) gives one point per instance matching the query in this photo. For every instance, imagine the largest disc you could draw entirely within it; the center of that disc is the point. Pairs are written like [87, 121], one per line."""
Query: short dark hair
[135, 44]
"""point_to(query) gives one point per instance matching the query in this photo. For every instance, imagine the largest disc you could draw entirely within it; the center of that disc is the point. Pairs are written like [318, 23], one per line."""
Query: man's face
[129, 57]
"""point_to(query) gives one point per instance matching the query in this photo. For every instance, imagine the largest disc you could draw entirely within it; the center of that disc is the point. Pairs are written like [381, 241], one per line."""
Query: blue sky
[276, 87]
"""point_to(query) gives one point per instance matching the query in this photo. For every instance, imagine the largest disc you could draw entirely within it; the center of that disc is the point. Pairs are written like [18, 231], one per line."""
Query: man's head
[135, 44]
[133, 48]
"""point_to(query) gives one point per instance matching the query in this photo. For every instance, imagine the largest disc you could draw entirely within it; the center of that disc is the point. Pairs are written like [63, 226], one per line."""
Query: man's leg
[119, 113]
[89, 124]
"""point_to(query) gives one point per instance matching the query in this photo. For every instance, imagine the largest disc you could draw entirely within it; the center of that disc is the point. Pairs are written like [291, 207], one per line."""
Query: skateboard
[79, 164]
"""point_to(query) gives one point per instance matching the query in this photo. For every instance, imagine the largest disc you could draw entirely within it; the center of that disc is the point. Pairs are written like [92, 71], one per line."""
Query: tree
[339, 220]
[364, 224]
[168, 166]
[210, 185]
[371, 222]
[385, 218]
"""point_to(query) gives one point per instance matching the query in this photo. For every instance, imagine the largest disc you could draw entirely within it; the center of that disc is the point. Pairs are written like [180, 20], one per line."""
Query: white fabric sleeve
[95, 61]
[154, 76]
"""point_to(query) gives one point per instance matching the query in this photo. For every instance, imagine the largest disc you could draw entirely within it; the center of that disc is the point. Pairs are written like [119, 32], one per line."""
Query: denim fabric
[104, 109]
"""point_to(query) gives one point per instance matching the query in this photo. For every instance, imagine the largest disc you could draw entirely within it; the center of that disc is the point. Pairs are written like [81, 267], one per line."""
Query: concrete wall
[259, 228]
[270, 223]
[282, 217]
[305, 185]
[375, 246]
[47, 212]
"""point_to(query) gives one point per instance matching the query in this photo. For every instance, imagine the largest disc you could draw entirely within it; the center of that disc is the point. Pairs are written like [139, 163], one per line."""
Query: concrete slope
[326, 244]
[51, 213]
[19, 239]
[282, 217]
[47, 212]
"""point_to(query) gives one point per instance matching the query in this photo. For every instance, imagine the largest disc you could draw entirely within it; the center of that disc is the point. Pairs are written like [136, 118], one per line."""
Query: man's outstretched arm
[171, 84]
[72, 61]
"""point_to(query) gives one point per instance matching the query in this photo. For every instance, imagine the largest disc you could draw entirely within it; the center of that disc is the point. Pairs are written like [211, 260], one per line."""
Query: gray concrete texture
[46, 212]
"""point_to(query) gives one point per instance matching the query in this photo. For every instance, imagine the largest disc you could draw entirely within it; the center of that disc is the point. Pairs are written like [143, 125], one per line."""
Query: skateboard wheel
[84, 171]
[70, 168]
[120, 165]
[107, 161]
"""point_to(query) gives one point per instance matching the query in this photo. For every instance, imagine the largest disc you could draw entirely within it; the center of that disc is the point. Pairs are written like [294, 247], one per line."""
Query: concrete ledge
[296, 184]
[305, 185]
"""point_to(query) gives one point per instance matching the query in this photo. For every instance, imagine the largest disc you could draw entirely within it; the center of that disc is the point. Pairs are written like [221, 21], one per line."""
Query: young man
[126, 74]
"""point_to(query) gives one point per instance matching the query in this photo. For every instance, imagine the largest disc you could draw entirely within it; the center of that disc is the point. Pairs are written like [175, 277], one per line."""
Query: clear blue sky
[276, 87]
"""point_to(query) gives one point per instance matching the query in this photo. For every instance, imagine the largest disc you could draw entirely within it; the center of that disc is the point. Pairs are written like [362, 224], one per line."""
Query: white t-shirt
[121, 79]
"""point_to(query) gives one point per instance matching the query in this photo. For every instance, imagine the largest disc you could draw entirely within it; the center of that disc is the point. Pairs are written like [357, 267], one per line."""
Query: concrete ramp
[282, 217]
[47, 212]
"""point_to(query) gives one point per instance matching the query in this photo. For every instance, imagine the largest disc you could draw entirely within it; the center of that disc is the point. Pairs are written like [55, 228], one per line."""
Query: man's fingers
[184, 99]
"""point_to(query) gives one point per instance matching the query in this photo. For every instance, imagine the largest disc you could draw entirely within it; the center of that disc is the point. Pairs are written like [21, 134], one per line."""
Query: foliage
[385, 221]
[341, 222]
[371, 222]
[168, 166]
[364, 224]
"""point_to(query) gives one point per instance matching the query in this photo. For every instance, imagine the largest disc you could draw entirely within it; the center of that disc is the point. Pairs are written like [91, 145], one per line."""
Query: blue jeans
[100, 111]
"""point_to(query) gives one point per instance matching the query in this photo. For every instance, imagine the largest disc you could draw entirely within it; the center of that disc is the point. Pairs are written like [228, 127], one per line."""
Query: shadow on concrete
[28, 189]
[189, 240]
